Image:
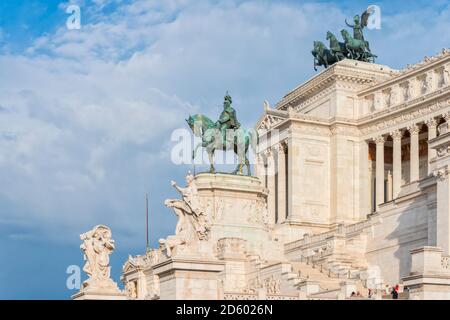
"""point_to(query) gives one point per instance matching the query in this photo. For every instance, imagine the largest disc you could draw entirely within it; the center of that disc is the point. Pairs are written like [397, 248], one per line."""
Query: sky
[87, 116]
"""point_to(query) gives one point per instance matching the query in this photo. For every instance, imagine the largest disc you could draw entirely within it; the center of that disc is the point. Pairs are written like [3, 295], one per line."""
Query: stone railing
[358, 227]
[282, 297]
[240, 296]
[307, 239]
[254, 296]
[341, 230]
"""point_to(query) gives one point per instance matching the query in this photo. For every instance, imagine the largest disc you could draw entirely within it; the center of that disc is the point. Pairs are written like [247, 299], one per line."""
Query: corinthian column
[380, 140]
[271, 185]
[281, 182]
[397, 162]
[414, 158]
[432, 133]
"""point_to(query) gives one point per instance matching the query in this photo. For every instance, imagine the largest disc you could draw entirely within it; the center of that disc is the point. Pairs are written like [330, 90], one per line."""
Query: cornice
[343, 71]
[409, 72]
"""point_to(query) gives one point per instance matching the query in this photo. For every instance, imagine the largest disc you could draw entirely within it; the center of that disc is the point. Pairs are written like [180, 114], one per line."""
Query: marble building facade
[351, 193]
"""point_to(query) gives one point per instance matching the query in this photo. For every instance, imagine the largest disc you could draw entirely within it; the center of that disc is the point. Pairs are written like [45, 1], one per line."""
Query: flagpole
[146, 222]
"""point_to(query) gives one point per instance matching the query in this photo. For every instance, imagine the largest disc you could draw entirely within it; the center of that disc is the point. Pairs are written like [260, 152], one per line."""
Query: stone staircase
[309, 273]
[318, 284]
[311, 280]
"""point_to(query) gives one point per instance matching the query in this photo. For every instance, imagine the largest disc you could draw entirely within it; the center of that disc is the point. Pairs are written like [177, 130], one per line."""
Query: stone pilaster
[443, 209]
[442, 146]
[365, 181]
[294, 181]
[281, 182]
[271, 185]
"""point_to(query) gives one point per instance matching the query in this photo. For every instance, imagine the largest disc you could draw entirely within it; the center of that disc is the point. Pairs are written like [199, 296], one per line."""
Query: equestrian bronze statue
[224, 134]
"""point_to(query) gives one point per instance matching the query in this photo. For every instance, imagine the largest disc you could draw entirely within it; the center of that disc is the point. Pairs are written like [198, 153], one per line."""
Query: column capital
[397, 134]
[380, 139]
[441, 174]
[268, 152]
[446, 116]
[282, 146]
[431, 123]
[414, 129]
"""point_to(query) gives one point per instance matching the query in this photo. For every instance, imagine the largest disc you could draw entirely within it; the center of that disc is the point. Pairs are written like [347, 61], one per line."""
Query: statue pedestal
[236, 207]
[98, 295]
[429, 278]
[186, 277]
[103, 291]
[222, 241]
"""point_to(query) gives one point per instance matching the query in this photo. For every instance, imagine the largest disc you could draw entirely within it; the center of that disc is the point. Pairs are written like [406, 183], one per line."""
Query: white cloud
[86, 115]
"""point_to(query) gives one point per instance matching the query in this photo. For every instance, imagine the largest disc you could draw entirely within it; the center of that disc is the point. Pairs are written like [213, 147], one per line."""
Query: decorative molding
[344, 130]
[341, 74]
[397, 135]
[268, 122]
[447, 117]
[379, 140]
[317, 130]
[405, 117]
[413, 129]
[282, 146]
[443, 151]
[431, 123]
[441, 174]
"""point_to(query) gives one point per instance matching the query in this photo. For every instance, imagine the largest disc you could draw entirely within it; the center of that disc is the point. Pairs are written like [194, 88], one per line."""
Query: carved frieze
[231, 247]
[404, 118]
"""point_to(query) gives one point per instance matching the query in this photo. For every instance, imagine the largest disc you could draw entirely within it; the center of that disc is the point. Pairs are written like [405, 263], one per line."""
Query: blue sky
[86, 115]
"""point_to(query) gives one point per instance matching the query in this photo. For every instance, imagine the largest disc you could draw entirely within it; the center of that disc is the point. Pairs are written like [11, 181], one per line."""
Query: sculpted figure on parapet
[192, 219]
[97, 246]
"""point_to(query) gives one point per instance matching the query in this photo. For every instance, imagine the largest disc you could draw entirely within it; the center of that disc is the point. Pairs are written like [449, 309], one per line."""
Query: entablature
[347, 74]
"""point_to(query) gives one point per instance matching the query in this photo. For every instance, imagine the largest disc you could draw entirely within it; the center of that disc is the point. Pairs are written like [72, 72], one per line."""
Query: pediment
[268, 121]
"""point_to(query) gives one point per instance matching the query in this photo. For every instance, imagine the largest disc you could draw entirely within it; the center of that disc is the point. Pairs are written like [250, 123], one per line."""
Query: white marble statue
[131, 290]
[97, 246]
[189, 210]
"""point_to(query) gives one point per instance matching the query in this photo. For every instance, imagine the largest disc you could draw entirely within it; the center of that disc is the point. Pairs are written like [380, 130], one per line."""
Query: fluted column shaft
[432, 133]
[380, 170]
[397, 163]
[414, 158]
